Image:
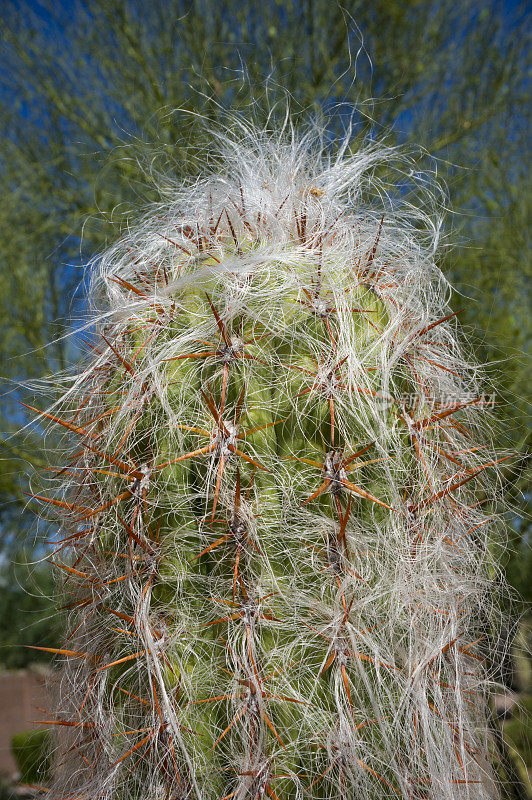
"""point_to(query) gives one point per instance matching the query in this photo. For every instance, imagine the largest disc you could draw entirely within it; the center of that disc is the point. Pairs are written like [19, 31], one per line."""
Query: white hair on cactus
[278, 567]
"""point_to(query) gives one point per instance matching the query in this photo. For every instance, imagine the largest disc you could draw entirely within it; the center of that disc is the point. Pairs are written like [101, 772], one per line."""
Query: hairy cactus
[275, 561]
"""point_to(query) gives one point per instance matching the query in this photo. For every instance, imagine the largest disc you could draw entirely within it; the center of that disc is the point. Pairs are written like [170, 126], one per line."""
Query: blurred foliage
[518, 732]
[27, 614]
[88, 97]
[32, 752]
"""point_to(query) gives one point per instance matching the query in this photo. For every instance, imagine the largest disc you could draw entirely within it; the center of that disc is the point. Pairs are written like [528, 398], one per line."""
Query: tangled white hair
[277, 564]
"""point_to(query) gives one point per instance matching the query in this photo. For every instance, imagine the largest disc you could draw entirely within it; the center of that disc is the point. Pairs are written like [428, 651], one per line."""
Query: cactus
[277, 568]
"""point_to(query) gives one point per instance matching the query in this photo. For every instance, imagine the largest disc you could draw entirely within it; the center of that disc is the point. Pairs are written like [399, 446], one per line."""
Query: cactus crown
[275, 563]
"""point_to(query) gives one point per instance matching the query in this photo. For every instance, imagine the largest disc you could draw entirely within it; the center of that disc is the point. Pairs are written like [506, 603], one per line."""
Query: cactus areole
[272, 552]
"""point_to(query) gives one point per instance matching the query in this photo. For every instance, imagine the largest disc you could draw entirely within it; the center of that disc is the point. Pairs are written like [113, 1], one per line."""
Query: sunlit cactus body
[273, 557]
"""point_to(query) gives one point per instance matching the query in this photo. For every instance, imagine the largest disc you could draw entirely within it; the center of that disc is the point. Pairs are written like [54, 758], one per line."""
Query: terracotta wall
[20, 694]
